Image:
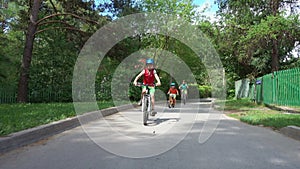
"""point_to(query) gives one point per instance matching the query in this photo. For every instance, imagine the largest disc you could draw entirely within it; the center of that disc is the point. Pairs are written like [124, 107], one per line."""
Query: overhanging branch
[67, 14]
[55, 21]
[69, 28]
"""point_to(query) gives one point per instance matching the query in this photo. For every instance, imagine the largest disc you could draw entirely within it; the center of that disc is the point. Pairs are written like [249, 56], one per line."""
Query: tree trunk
[275, 58]
[275, 51]
[24, 74]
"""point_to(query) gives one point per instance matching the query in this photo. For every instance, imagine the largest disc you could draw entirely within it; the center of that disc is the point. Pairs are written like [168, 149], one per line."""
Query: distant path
[233, 145]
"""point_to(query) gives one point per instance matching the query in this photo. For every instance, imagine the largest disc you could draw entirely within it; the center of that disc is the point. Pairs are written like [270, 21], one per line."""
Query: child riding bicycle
[150, 75]
[184, 90]
[173, 92]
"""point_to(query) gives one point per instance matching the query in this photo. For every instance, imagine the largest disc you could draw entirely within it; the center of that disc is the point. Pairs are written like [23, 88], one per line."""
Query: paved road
[121, 141]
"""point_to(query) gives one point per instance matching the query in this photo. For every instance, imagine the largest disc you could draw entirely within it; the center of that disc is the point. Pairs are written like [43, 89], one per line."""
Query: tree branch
[69, 28]
[55, 21]
[55, 10]
[66, 14]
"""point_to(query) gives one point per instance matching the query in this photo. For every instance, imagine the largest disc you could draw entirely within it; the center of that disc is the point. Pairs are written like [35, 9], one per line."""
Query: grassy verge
[273, 119]
[240, 105]
[254, 114]
[17, 117]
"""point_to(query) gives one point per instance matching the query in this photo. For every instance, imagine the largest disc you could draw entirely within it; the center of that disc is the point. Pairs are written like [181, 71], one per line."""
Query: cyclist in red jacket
[173, 92]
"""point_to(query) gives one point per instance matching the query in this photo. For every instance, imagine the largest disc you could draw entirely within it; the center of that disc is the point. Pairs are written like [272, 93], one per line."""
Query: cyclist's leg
[184, 94]
[152, 91]
[170, 99]
[174, 99]
[152, 101]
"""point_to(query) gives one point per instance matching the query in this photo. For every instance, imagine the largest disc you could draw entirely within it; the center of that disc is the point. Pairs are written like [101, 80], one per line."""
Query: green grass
[241, 104]
[254, 114]
[272, 119]
[17, 117]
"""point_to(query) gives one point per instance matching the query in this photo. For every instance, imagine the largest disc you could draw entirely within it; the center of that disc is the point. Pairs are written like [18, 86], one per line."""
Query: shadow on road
[157, 121]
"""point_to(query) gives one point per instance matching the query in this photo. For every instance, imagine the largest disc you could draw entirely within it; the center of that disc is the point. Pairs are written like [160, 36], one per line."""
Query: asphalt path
[192, 136]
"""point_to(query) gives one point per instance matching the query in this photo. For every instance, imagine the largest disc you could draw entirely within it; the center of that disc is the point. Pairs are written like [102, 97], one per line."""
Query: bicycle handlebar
[139, 84]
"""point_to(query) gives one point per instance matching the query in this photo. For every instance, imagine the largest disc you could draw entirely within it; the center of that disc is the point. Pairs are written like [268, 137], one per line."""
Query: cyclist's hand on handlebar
[139, 84]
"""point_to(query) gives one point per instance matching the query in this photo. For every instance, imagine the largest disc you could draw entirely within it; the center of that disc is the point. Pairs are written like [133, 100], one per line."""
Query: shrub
[205, 91]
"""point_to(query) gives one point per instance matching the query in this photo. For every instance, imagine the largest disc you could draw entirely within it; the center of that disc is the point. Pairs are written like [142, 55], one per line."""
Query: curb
[291, 131]
[279, 108]
[29, 136]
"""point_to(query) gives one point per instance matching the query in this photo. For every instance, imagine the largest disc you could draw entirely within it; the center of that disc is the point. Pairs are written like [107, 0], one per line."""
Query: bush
[205, 91]
[231, 94]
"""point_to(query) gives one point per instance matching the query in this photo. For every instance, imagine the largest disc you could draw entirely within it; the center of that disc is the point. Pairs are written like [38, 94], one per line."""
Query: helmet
[149, 61]
[172, 84]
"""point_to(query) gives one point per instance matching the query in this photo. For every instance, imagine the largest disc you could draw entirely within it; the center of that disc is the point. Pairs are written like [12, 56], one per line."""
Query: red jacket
[149, 77]
[173, 91]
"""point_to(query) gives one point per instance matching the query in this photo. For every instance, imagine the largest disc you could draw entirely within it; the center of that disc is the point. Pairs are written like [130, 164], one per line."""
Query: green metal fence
[280, 88]
[287, 87]
[9, 95]
[244, 88]
[258, 90]
[268, 89]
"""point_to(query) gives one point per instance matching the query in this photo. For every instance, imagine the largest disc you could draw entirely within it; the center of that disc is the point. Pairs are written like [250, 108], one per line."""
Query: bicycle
[146, 104]
[171, 101]
[183, 96]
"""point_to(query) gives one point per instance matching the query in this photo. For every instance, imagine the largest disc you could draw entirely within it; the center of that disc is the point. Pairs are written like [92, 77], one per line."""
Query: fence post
[277, 77]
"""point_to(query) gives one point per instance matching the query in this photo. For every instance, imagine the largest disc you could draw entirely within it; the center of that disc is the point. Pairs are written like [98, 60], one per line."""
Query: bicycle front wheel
[145, 110]
[183, 97]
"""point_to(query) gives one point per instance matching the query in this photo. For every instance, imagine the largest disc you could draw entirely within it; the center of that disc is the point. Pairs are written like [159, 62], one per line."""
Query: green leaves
[258, 40]
[182, 8]
[257, 34]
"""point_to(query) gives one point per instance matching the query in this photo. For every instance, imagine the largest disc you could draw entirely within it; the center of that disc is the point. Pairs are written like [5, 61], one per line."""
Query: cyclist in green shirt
[184, 88]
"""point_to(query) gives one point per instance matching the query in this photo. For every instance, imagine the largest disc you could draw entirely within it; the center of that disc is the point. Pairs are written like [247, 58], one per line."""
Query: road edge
[32, 135]
[291, 131]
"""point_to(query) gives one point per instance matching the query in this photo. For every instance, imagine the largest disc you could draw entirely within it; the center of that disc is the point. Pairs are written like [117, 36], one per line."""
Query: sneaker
[153, 113]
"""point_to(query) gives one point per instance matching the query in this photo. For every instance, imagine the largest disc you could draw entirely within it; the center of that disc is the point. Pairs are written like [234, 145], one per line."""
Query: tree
[51, 16]
[24, 75]
[259, 32]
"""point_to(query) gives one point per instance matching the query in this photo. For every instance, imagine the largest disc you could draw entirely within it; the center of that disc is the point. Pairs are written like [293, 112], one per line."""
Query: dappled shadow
[158, 121]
